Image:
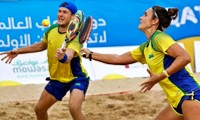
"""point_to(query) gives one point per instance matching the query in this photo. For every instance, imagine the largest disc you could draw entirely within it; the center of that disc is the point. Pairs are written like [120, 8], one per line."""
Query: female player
[167, 65]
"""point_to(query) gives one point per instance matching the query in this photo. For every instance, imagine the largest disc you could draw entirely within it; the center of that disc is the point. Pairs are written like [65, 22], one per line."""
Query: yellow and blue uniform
[64, 74]
[180, 84]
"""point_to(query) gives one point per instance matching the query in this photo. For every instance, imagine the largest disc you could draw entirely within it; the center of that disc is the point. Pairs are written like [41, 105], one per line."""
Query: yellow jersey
[63, 72]
[153, 53]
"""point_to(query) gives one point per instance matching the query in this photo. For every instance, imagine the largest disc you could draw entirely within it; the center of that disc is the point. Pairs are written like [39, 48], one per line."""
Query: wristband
[90, 56]
[64, 59]
[166, 74]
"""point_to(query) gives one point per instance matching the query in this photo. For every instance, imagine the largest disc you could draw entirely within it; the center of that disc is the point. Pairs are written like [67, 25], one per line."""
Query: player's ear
[155, 21]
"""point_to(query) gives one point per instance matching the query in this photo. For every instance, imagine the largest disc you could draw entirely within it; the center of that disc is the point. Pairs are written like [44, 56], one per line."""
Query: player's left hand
[150, 82]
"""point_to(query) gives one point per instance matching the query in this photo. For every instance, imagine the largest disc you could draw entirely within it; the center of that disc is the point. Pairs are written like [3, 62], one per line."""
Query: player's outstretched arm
[115, 59]
[10, 55]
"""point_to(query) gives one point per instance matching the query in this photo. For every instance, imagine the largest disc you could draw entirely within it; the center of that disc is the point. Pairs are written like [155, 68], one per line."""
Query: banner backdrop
[115, 21]
[115, 28]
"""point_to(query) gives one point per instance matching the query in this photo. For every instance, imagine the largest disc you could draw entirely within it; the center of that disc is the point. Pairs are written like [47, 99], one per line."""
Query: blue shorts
[59, 89]
[194, 95]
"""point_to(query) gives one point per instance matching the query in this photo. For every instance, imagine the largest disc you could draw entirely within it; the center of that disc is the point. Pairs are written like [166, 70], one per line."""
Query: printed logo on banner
[29, 68]
[26, 69]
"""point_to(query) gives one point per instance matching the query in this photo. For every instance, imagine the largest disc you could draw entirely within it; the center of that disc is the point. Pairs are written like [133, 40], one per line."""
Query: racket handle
[85, 45]
[63, 45]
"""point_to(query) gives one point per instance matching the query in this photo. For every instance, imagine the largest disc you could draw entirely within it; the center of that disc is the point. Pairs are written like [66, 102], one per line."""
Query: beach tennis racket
[84, 37]
[74, 27]
[86, 30]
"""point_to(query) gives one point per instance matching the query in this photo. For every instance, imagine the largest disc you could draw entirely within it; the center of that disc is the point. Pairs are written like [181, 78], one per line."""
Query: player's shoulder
[51, 28]
[159, 38]
[160, 35]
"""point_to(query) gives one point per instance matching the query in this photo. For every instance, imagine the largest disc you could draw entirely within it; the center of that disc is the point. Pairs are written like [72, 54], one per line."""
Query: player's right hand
[9, 56]
[60, 53]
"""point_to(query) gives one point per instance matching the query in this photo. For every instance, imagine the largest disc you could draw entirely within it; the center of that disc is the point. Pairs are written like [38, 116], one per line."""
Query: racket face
[75, 25]
[86, 30]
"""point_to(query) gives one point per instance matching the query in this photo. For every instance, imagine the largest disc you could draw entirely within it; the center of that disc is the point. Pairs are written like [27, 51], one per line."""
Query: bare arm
[114, 59]
[10, 55]
[182, 58]
[40, 46]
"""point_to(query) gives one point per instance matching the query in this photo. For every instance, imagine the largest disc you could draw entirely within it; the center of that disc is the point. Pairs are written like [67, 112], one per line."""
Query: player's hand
[9, 56]
[150, 82]
[60, 53]
[85, 52]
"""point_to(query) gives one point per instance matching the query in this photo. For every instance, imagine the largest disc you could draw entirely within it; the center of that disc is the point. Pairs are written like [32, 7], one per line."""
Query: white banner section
[33, 68]
[197, 55]
[25, 69]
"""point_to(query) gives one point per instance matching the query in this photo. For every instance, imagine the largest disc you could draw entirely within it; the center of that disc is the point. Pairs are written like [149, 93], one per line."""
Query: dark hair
[165, 16]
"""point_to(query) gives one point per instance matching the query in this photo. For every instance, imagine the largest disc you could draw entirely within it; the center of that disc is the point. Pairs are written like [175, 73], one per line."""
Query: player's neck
[149, 33]
[62, 29]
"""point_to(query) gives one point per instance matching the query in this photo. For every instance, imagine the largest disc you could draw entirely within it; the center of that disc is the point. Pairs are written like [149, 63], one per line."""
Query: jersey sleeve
[163, 41]
[44, 39]
[138, 54]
